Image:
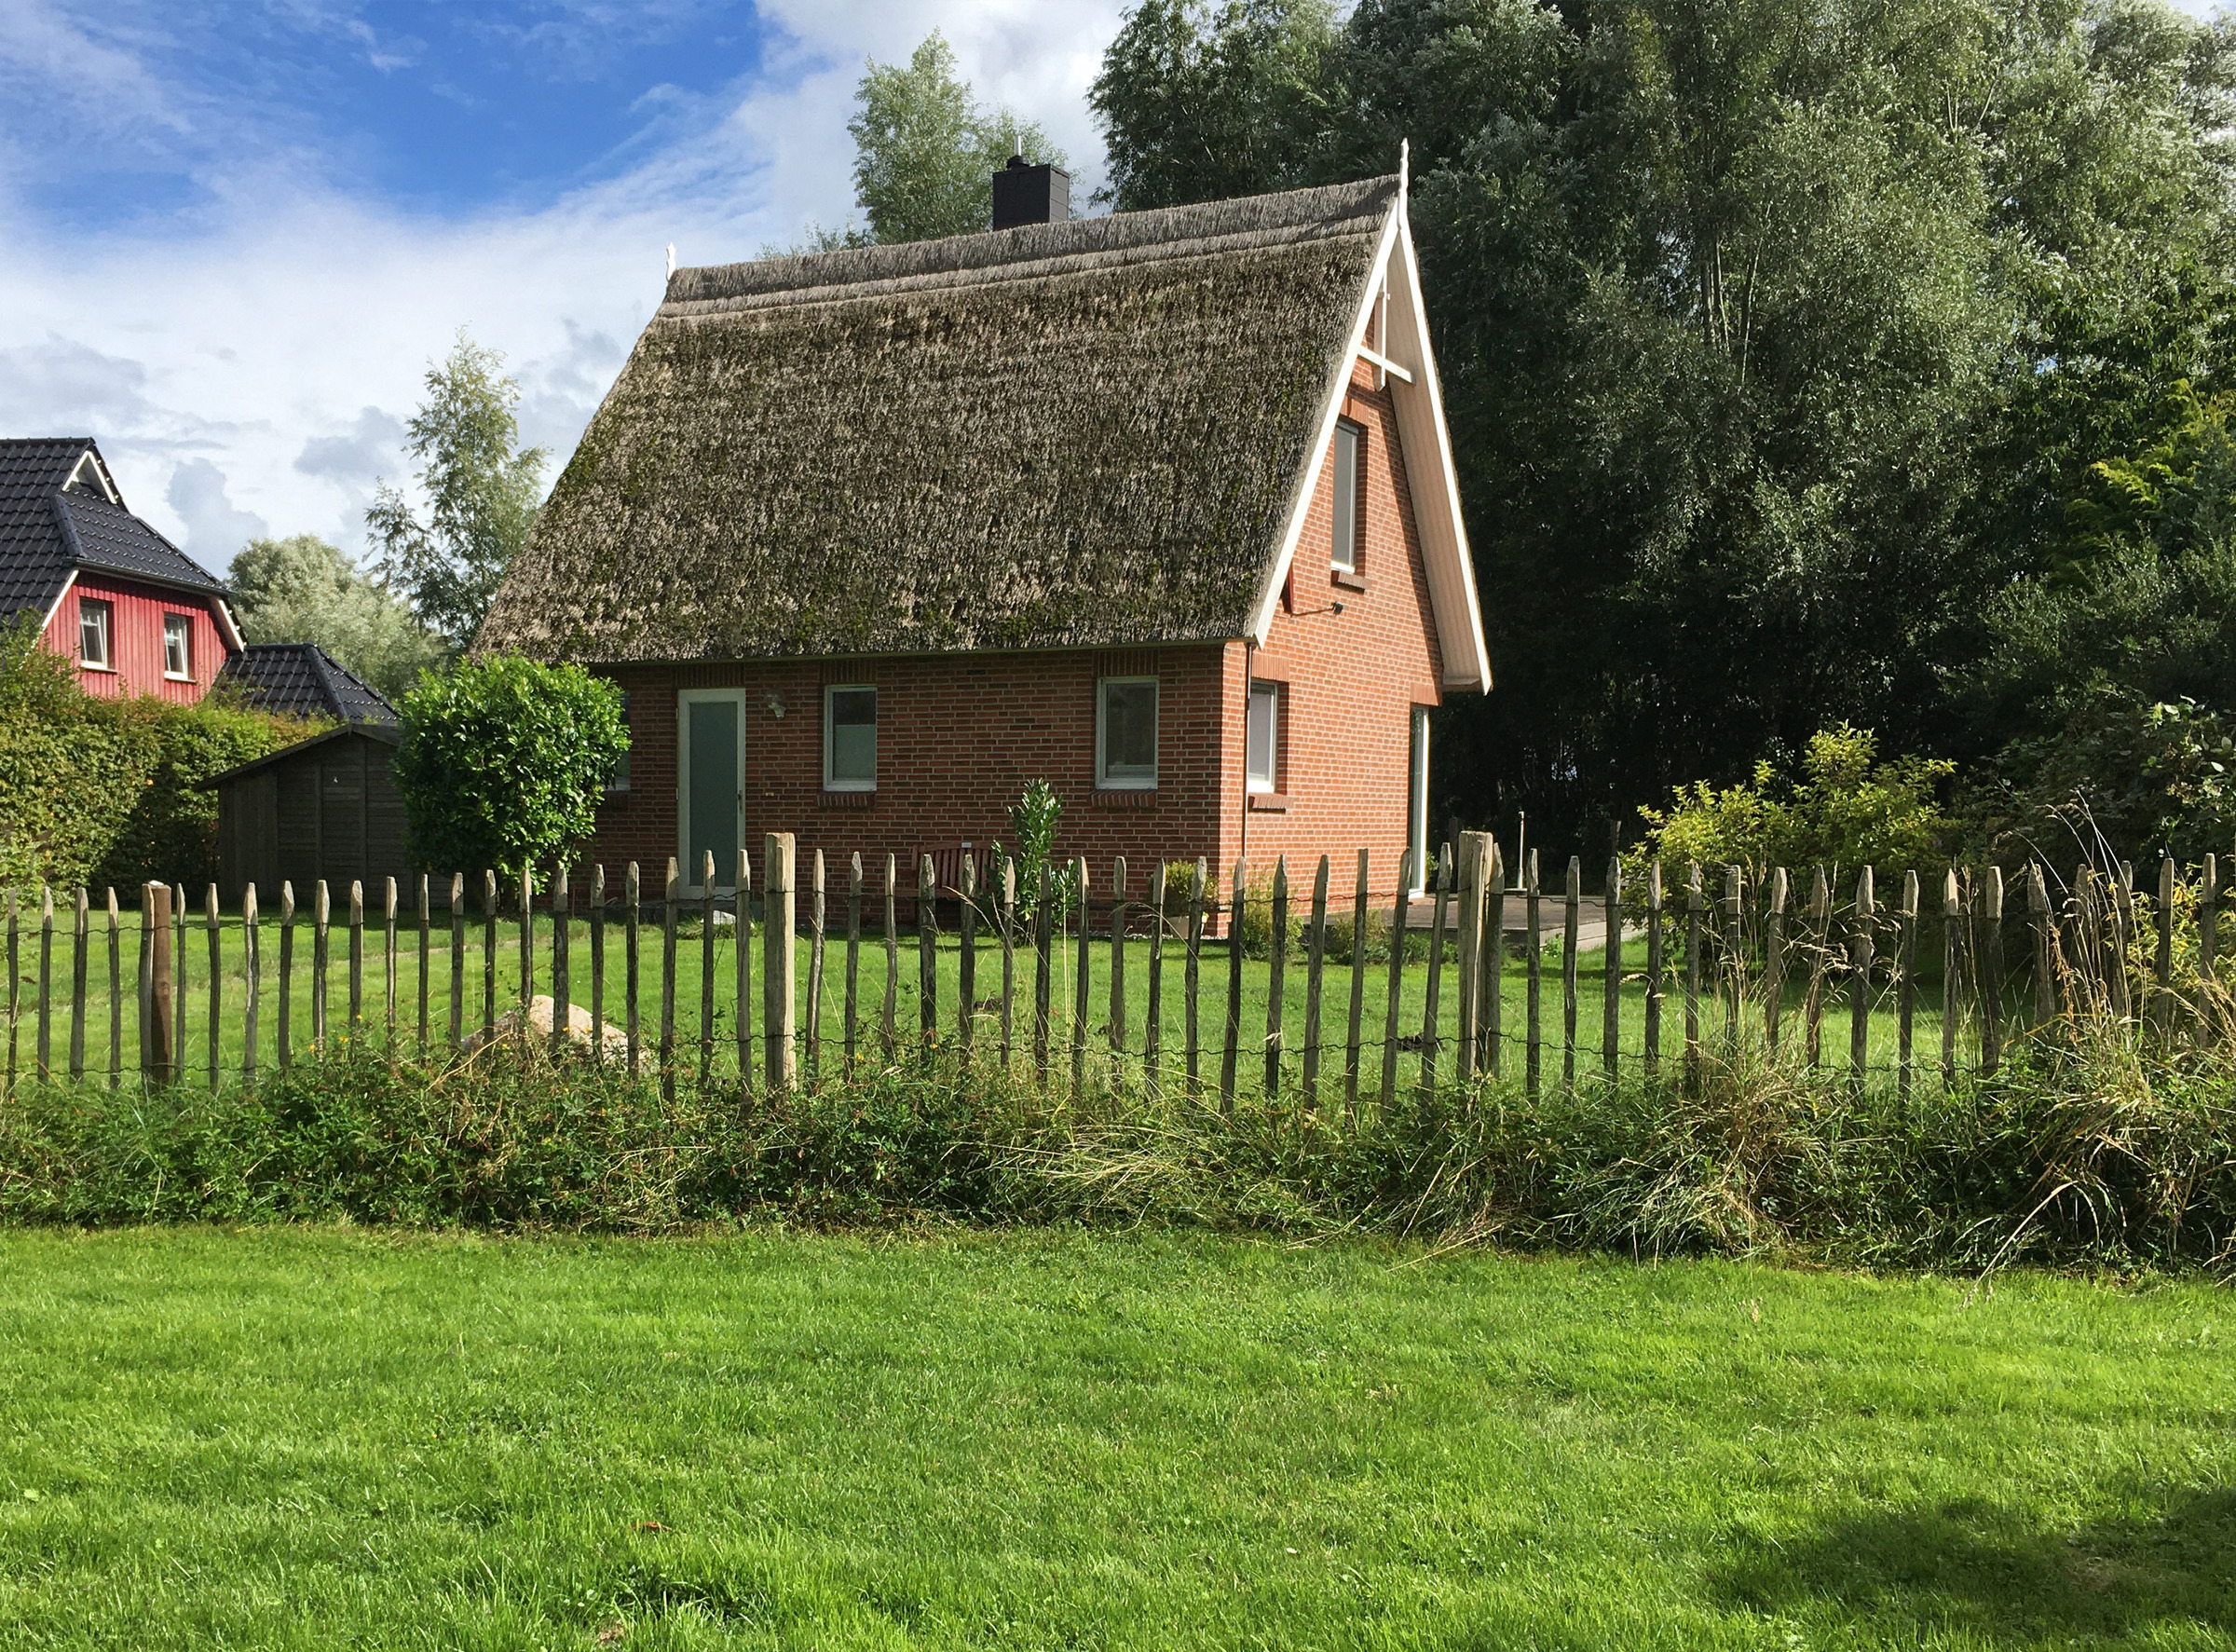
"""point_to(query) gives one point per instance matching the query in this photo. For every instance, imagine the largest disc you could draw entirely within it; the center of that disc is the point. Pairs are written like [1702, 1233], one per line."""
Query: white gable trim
[101, 476]
[1403, 341]
[55, 606]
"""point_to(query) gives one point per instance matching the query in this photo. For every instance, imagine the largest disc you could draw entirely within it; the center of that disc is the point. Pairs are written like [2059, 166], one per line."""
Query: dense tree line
[1809, 361]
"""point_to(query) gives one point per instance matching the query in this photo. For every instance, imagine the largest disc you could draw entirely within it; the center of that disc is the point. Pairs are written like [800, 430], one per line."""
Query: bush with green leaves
[1844, 810]
[1032, 823]
[99, 791]
[503, 762]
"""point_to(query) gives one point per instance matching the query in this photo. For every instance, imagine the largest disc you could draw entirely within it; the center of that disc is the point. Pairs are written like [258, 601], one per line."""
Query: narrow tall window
[1343, 549]
[1263, 736]
[619, 780]
[177, 646]
[93, 634]
[1416, 805]
[1125, 732]
[850, 738]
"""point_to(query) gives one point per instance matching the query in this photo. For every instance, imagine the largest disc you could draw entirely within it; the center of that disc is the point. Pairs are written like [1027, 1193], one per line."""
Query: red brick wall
[1353, 679]
[960, 736]
[136, 638]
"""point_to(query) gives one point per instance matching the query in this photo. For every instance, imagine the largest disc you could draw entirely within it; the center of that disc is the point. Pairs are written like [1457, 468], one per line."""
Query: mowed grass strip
[293, 1437]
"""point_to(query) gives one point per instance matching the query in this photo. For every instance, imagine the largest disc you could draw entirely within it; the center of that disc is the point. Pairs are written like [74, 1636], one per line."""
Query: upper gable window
[177, 646]
[1342, 548]
[1125, 732]
[93, 621]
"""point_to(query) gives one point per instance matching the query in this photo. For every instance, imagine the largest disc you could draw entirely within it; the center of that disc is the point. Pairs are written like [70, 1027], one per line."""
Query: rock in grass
[540, 1008]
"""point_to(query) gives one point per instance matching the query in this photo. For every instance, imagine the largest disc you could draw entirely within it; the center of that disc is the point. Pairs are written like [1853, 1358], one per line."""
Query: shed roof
[302, 679]
[1078, 434]
[386, 734]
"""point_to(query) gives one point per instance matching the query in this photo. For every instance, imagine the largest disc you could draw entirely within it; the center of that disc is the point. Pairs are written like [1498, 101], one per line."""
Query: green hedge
[102, 791]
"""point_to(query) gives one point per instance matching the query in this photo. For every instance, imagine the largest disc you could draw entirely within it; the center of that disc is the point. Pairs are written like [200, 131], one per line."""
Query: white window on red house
[850, 738]
[93, 621]
[1125, 732]
[619, 780]
[177, 646]
[1343, 549]
[1263, 736]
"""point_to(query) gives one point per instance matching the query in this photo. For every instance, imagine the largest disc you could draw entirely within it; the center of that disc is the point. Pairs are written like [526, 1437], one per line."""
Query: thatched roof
[1088, 434]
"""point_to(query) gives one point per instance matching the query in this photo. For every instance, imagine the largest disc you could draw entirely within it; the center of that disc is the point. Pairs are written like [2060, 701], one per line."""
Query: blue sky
[232, 235]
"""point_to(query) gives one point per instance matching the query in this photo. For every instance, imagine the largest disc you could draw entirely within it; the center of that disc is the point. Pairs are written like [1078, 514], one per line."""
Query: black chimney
[1025, 194]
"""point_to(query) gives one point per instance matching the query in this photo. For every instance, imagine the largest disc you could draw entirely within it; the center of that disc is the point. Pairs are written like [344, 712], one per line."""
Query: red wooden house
[1158, 507]
[137, 614]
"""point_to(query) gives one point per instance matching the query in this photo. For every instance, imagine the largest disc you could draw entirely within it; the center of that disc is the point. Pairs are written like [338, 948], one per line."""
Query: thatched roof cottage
[1158, 507]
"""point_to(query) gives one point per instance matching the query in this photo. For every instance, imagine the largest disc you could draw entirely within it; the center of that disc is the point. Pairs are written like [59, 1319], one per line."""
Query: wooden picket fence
[1746, 951]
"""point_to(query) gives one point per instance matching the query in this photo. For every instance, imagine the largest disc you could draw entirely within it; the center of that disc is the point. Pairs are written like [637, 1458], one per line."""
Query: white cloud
[255, 365]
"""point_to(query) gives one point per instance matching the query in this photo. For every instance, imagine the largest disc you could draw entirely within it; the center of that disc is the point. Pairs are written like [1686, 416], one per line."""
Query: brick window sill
[847, 800]
[1124, 797]
[1345, 579]
[1269, 803]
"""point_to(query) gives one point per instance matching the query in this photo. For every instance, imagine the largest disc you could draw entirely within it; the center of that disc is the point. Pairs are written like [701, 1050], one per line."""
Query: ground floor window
[850, 738]
[1263, 736]
[1125, 732]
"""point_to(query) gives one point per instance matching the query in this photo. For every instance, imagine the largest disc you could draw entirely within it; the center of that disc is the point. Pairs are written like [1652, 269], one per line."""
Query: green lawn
[193, 973]
[292, 1438]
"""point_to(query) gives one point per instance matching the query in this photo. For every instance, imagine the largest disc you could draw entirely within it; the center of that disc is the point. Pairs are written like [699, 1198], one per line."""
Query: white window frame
[1342, 538]
[830, 727]
[617, 781]
[182, 627]
[1416, 801]
[106, 612]
[1134, 781]
[1270, 782]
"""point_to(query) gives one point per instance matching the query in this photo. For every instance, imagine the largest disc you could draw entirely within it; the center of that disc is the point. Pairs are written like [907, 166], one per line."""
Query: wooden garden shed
[326, 807]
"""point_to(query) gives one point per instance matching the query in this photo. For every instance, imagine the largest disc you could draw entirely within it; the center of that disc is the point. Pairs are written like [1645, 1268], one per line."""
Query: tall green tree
[925, 152]
[482, 487]
[301, 589]
[1777, 336]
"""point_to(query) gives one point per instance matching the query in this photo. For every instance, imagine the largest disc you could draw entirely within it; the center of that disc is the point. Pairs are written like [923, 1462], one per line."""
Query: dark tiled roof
[33, 559]
[300, 679]
[111, 537]
[46, 532]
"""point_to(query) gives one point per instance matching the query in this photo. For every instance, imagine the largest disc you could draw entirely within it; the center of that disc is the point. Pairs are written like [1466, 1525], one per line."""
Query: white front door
[710, 783]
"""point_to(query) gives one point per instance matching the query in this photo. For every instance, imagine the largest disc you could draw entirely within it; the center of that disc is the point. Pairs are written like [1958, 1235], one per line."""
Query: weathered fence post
[217, 975]
[1191, 976]
[14, 987]
[1275, 969]
[563, 984]
[1082, 982]
[1431, 1032]
[287, 974]
[1906, 985]
[1611, 959]
[2163, 1000]
[1153, 1017]
[927, 951]
[1401, 909]
[1533, 945]
[2045, 945]
[779, 918]
[488, 953]
[1653, 1028]
[252, 962]
[1358, 978]
[671, 893]
[457, 959]
[1821, 944]
[178, 1035]
[1571, 914]
[1488, 992]
[1731, 972]
[742, 974]
[893, 958]
[81, 935]
[1009, 957]
[322, 926]
[709, 909]
[426, 917]
[160, 1038]
[966, 958]
[854, 950]
[1117, 1017]
[1991, 969]
[1043, 986]
[1315, 956]
[1952, 932]
[45, 1048]
[389, 962]
[597, 964]
[1233, 1016]
[1859, 998]
[816, 897]
[357, 956]
[1692, 974]
[633, 913]
[1774, 957]
[2123, 922]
